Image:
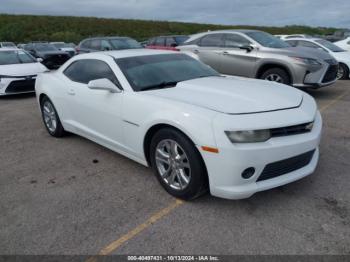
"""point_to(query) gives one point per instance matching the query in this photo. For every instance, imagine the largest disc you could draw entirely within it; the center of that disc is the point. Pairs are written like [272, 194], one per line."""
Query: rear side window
[307, 44]
[85, 70]
[212, 40]
[160, 41]
[234, 40]
[95, 44]
[105, 45]
[170, 41]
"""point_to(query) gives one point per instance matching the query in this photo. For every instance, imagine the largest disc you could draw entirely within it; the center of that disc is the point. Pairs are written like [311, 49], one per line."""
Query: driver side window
[85, 70]
[235, 41]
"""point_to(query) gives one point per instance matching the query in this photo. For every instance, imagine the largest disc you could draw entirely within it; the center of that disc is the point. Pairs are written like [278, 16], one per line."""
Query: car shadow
[17, 96]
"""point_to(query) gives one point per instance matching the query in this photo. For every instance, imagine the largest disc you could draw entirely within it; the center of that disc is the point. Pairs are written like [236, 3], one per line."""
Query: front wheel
[343, 72]
[177, 164]
[50, 117]
[276, 75]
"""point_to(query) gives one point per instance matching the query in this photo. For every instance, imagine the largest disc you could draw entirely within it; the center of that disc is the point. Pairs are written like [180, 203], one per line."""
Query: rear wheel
[50, 117]
[343, 72]
[276, 75]
[177, 164]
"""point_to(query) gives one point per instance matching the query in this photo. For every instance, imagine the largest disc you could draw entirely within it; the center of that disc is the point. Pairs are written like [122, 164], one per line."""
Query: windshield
[160, 71]
[330, 46]
[181, 39]
[15, 57]
[267, 40]
[45, 47]
[125, 43]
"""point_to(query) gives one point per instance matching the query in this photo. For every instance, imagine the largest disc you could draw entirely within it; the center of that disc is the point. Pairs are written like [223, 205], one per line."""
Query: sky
[330, 13]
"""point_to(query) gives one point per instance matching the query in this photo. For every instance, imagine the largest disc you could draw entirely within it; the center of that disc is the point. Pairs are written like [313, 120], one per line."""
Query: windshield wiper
[160, 85]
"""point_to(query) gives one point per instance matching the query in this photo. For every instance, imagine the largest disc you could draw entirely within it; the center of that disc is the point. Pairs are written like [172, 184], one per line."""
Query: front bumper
[225, 169]
[314, 76]
[17, 85]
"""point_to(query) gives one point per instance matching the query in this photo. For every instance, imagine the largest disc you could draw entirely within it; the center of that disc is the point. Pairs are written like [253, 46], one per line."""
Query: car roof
[105, 37]
[126, 53]
[241, 31]
[303, 39]
[169, 36]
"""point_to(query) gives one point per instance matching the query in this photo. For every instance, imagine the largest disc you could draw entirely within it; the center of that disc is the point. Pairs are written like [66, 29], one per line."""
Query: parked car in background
[18, 71]
[257, 54]
[68, 48]
[7, 45]
[344, 44]
[342, 56]
[51, 57]
[107, 44]
[166, 42]
[193, 126]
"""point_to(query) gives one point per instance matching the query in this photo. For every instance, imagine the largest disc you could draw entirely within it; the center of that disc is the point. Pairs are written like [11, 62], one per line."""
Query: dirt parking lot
[72, 196]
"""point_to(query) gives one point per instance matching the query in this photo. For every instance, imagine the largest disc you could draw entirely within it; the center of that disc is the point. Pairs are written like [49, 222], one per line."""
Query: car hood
[233, 95]
[303, 52]
[22, 69]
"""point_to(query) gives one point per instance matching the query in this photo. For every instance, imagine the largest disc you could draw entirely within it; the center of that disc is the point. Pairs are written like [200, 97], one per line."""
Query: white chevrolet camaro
[197, 129]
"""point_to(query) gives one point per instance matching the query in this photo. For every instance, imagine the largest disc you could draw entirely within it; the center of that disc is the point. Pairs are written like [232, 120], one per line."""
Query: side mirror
[248, 48]
[39, 59]
[104, 84]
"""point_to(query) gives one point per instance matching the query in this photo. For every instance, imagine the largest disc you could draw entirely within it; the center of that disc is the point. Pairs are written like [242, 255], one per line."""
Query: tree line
[26, 28]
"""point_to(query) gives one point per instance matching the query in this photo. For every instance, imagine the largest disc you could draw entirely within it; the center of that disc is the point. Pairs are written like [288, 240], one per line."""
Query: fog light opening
[248, 173]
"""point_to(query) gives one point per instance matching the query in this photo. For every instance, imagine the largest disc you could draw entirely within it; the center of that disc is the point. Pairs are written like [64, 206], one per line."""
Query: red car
[166, 42]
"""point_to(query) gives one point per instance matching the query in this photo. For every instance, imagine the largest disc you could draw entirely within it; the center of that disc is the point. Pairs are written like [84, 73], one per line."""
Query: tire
[277, 75]
[170, 167]
[51, 119]
[343, 72]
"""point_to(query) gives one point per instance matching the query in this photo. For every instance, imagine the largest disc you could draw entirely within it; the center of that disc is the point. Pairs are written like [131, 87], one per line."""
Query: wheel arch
[346, 67]
[152, 130]
[264, 67]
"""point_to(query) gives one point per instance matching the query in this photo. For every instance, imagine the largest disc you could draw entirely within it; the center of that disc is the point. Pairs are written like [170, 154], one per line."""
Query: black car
[106, 44]
[51, 56]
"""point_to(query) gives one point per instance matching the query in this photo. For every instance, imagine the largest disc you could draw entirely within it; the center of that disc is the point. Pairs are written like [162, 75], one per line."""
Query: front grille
[292, 130]
[331, 74]
[286, 166]
[21, 86]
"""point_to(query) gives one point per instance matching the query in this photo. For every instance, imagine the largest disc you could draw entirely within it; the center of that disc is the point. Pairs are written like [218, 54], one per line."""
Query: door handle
[71, 92]
[196, 51]
[225, 53]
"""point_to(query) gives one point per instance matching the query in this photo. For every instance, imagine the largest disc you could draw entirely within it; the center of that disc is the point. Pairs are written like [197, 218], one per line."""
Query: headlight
[308, 61]
[252, 136]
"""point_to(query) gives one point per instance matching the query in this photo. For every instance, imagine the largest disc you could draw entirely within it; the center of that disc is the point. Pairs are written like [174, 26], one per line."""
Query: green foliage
[25, 28]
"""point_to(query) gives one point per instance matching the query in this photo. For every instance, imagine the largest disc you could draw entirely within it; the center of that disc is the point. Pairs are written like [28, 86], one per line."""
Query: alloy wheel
[340, 73]
[173, 164]
[274, 77]
[50, 117]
